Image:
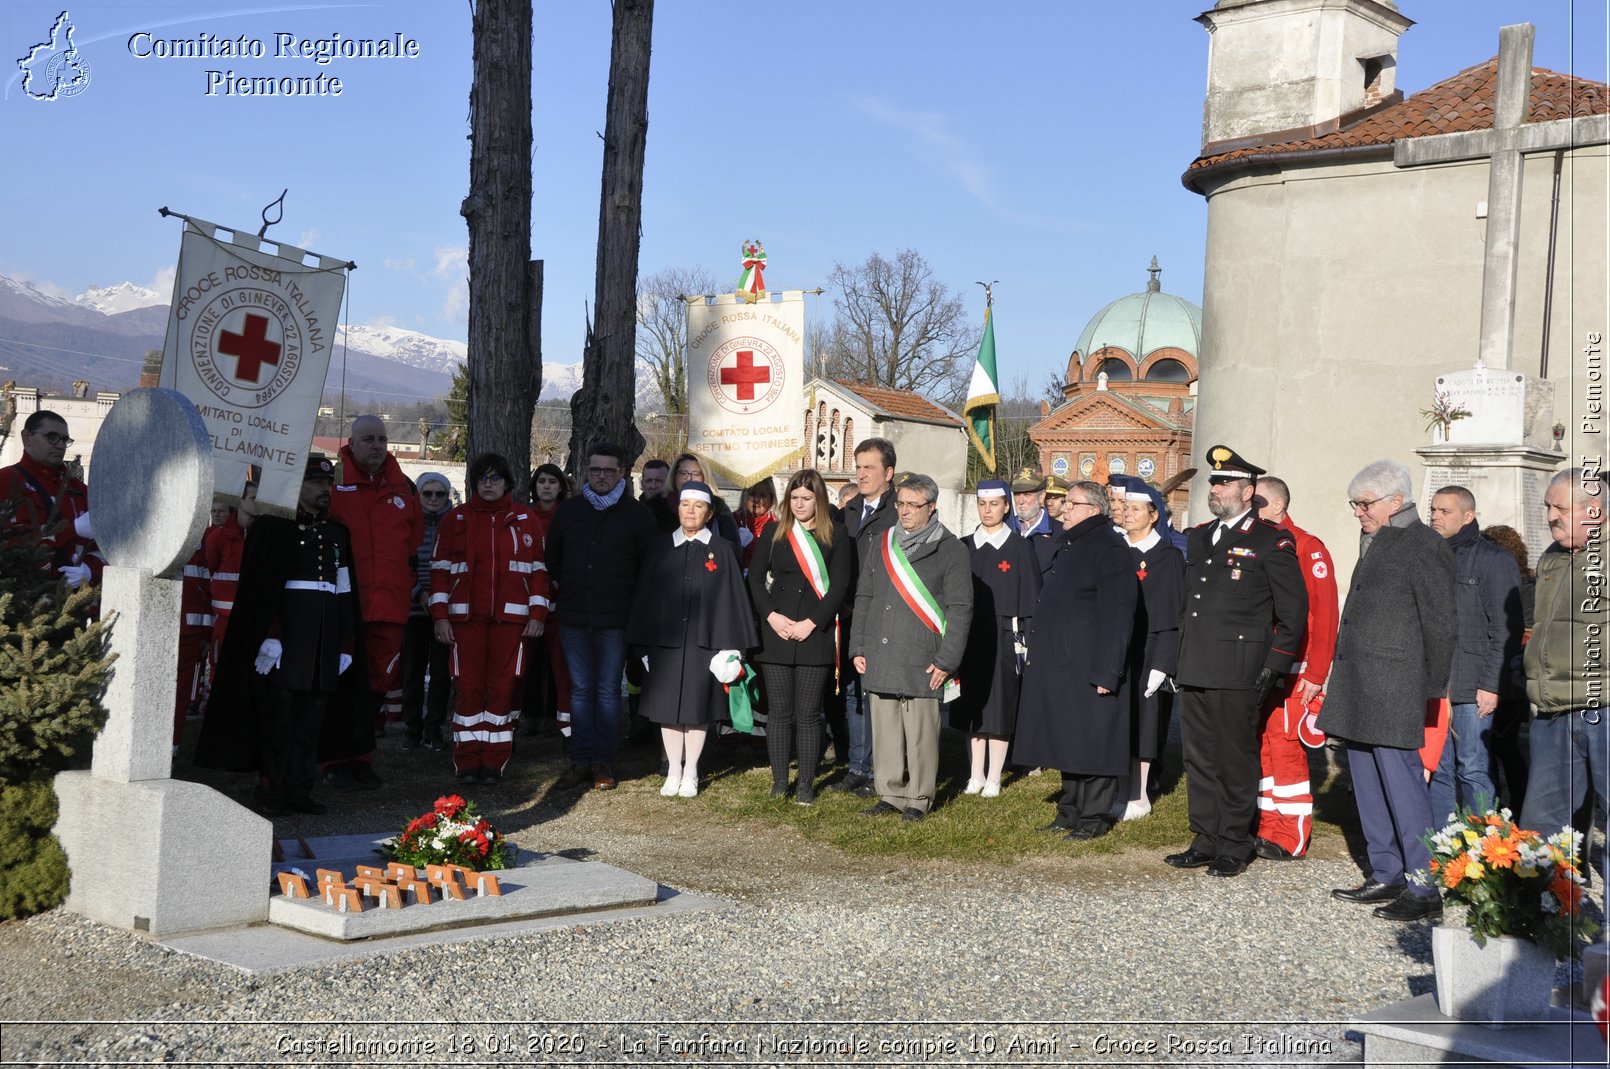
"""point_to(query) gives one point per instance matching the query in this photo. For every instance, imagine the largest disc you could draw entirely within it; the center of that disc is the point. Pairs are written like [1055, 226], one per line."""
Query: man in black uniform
[290, 640]
[1245, 611]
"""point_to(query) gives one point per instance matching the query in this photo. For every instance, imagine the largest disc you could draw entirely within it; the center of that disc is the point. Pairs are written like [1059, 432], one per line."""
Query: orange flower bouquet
[452, 833]
[1514, 882]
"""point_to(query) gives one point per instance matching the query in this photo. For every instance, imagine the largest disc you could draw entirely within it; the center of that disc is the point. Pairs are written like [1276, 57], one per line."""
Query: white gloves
[75, 574]
[727, 666]
[268, 656]
[1154, 679]
[346, 662]
[82, 528]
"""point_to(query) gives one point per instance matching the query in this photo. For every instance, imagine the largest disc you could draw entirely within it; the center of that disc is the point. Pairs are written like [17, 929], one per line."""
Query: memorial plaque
[152, 495]
[293, 886]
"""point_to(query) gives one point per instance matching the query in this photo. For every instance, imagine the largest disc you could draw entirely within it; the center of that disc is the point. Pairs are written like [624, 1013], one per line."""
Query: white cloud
[405, 263]
[453, 264]
[162, 282]
[955, 155]
[307, 239]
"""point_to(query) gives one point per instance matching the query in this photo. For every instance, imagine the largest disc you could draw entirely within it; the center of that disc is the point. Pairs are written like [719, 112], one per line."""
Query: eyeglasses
[907, 506]
[433, 493]
[1364, 506]
[1078, 504]
[602, 471]
[492, 477]
[53, 438]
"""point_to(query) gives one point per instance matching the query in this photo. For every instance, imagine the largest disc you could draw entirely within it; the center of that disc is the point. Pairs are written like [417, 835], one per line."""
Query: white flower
[1550, 903]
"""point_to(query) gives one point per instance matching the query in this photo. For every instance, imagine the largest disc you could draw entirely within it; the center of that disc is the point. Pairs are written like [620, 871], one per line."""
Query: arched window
[849, 444]
[1116, 369]
[1168, 370]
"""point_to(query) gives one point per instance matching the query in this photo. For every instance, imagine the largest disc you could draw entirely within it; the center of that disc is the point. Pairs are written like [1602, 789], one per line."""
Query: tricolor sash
[809, 556]
[910, 585]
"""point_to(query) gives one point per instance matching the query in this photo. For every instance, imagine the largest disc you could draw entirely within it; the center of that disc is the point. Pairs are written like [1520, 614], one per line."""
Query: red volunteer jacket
[42, 496]
[1319, 576]
[221, 549]
[382, 512]
[488, 564]
[195, 593]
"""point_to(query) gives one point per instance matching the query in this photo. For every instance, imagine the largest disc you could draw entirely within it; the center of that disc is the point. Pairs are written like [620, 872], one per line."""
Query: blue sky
[1039, 143]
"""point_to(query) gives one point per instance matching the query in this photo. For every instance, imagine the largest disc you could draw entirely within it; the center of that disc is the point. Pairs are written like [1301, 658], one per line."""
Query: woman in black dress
[1155, 649]
[1006, 585]
[798, 579]
[690, 606]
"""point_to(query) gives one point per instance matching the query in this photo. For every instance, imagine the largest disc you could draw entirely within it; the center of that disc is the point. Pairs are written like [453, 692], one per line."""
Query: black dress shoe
[1226, 866]
[878, 810]
[1189, 859]
[865, 790]
[1369, 891]
[1080, 835]
[912, 814]
[1273, 851]
[1056, 825]
[1409, 906]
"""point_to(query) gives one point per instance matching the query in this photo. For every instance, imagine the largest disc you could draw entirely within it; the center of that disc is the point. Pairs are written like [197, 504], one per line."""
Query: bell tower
[1294, 68]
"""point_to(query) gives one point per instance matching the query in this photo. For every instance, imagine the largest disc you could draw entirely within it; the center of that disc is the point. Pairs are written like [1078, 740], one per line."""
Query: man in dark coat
[867, 516]
[1393, 650]
[1245, 611]
[1487, 600]
[1032, 519]
[1074, 712]
[594, 550]
[286, 684]
[914, 606]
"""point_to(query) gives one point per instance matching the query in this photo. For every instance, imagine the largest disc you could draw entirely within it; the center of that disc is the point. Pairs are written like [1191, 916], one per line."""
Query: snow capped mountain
[408, 347]
[28, 290]
[123, 297]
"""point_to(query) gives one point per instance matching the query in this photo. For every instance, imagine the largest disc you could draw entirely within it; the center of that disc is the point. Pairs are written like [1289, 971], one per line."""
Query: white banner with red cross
[250, 332]
[746, 384]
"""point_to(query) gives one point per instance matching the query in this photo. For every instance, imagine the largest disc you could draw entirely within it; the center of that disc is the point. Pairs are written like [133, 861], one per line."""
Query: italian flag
[983, 394]
[809, 555]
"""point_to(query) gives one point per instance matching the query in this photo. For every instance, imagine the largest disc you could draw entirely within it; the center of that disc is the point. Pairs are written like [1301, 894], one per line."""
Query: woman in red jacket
[489, 592]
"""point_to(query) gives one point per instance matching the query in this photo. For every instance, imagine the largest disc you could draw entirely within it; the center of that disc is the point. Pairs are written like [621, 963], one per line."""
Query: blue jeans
[858, 722]
[1570, 755]
[596, 658]
[1464, 773]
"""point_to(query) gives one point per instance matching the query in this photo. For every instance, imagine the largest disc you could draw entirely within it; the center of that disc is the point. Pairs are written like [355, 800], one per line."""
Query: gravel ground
[815, 956]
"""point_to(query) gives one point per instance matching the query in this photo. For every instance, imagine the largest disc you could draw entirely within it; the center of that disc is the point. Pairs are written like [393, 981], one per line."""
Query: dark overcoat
[314, 629]
[1160, 571]
[863, 533]
[897, 645]
[1246, 607]
[778, 584]
[1395, 641]
[690, 605]
[1080, 641]
[1006, 587]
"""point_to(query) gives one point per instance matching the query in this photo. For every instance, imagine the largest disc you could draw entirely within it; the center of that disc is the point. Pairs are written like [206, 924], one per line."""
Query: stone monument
[1500, 450]
[135, 838]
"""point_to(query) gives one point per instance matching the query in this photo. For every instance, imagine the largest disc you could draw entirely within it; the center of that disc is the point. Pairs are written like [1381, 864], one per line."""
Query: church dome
[1144, 322]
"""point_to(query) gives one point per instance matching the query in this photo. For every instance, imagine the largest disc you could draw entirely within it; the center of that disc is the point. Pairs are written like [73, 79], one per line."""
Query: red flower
[449, 805]
[419, 824]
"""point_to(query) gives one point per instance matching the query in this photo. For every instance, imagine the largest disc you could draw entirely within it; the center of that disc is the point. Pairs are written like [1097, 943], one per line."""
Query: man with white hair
[1565, 667]
[1393, 651]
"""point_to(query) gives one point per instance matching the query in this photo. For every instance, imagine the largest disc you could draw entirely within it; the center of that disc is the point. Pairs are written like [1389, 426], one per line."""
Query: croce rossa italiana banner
[250, 333]
[746, 384]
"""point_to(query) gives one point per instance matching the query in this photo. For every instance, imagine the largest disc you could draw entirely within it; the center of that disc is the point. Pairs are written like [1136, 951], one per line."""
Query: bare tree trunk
[505, 358]
[602, 409]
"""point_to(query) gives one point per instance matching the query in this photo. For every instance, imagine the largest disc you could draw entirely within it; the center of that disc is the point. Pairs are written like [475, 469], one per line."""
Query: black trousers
[287, 740]
[424, 712]
[1086, 801]
[1219, 732]
[795, 694]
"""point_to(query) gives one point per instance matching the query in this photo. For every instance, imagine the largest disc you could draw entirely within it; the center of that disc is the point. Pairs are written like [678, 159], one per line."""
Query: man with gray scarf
[913, 607]
[1393, 651]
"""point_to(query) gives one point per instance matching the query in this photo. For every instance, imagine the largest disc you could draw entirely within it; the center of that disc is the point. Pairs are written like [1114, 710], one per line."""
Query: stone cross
[1504, 146]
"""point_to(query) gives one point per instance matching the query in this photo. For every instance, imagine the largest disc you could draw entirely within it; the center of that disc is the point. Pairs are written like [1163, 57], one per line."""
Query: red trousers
[382, 646]
[1285, 799]
[488, 665]
[193, 647]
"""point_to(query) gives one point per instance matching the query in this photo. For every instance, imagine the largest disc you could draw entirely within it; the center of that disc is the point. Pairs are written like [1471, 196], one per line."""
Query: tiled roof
[1463, 102]
[900, 402]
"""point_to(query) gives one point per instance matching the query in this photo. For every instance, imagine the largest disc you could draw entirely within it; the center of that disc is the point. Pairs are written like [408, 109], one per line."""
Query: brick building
[1130, 393]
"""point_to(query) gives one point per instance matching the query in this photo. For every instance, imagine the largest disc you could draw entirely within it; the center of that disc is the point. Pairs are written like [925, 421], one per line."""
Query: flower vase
[1439, 434]
[1508, 982]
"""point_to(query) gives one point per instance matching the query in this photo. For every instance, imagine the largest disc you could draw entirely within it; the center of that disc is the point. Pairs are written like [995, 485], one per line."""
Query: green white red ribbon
[910, 585]
[809, 556]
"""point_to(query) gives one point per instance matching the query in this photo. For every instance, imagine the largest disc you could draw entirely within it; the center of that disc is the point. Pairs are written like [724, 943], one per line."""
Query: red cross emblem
[250, 348]
[746, 375]
[1004, 566]
[709, 565]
